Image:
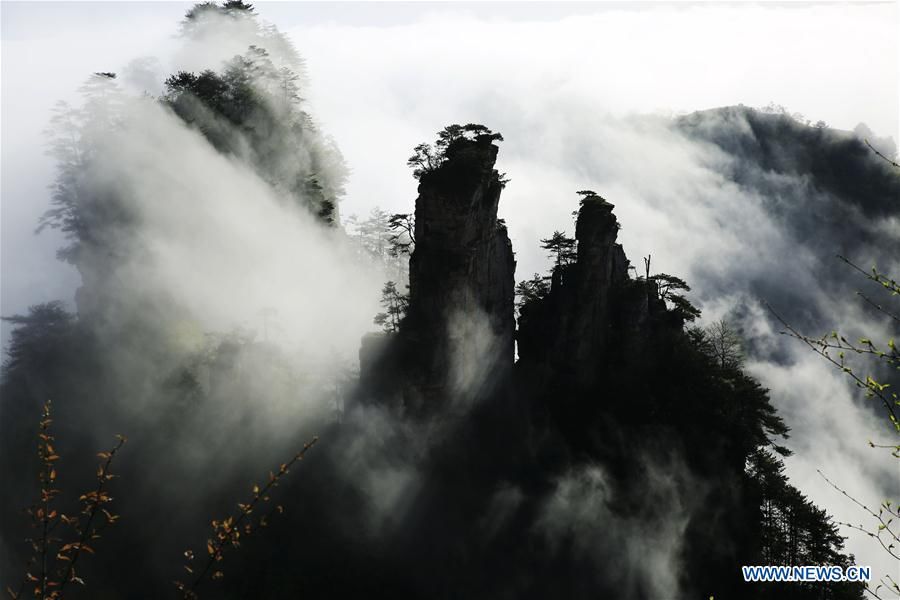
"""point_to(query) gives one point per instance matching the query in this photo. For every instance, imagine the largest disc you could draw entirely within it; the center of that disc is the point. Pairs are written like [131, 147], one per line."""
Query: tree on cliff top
[588, 194]
[427, 158]
[231, 8]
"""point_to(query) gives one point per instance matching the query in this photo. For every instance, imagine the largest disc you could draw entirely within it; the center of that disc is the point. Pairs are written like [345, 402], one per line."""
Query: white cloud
[562, 91]
[561, 88]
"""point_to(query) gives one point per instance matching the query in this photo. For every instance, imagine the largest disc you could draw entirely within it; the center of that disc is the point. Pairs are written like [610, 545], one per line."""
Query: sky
[570, 86]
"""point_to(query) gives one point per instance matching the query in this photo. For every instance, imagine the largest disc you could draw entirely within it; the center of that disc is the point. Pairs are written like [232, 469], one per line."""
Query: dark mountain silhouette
[827, 190]
[623, 453]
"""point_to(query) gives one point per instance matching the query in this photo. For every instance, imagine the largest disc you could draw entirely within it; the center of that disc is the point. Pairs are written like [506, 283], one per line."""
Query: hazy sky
[561, 81]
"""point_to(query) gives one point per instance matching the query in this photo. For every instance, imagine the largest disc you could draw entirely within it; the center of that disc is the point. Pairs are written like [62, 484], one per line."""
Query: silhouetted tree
[669, 288]
[561, 248]
[37, 337]
[725, 344]
[794, 531]
[403, 236]
[424, 160]
[529, 290]
[427, 159]
[230, 8]
[395, 305]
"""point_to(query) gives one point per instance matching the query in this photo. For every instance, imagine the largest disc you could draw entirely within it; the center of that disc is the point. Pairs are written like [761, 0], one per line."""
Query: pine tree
[395, 305]
[561, 248]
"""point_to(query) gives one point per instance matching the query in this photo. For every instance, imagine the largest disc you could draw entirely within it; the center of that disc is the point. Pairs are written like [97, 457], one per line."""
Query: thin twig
[96, 501]
[228, 531]
[872, 148]
[883, 525]
[863, 384]
[878, 307]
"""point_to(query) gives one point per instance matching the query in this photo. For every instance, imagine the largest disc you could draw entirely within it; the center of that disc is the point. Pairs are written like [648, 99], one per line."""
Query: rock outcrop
[457, 340]
[594, 314]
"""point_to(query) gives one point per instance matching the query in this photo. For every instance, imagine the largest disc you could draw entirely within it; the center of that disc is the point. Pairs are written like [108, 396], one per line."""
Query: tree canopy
[560, 247]
[450, 140]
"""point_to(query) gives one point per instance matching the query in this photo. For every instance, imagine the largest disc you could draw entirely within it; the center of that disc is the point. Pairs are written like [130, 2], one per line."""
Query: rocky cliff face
[457, 340]
[457, 343]
[594, 314]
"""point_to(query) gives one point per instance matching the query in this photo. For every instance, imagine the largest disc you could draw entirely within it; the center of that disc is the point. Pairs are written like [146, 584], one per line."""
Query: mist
[588, 102]
[594, 99]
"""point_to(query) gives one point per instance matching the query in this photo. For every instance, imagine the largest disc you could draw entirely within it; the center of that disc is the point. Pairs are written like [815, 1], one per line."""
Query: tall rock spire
[592, 308]
[462, 277]
[457, 340]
